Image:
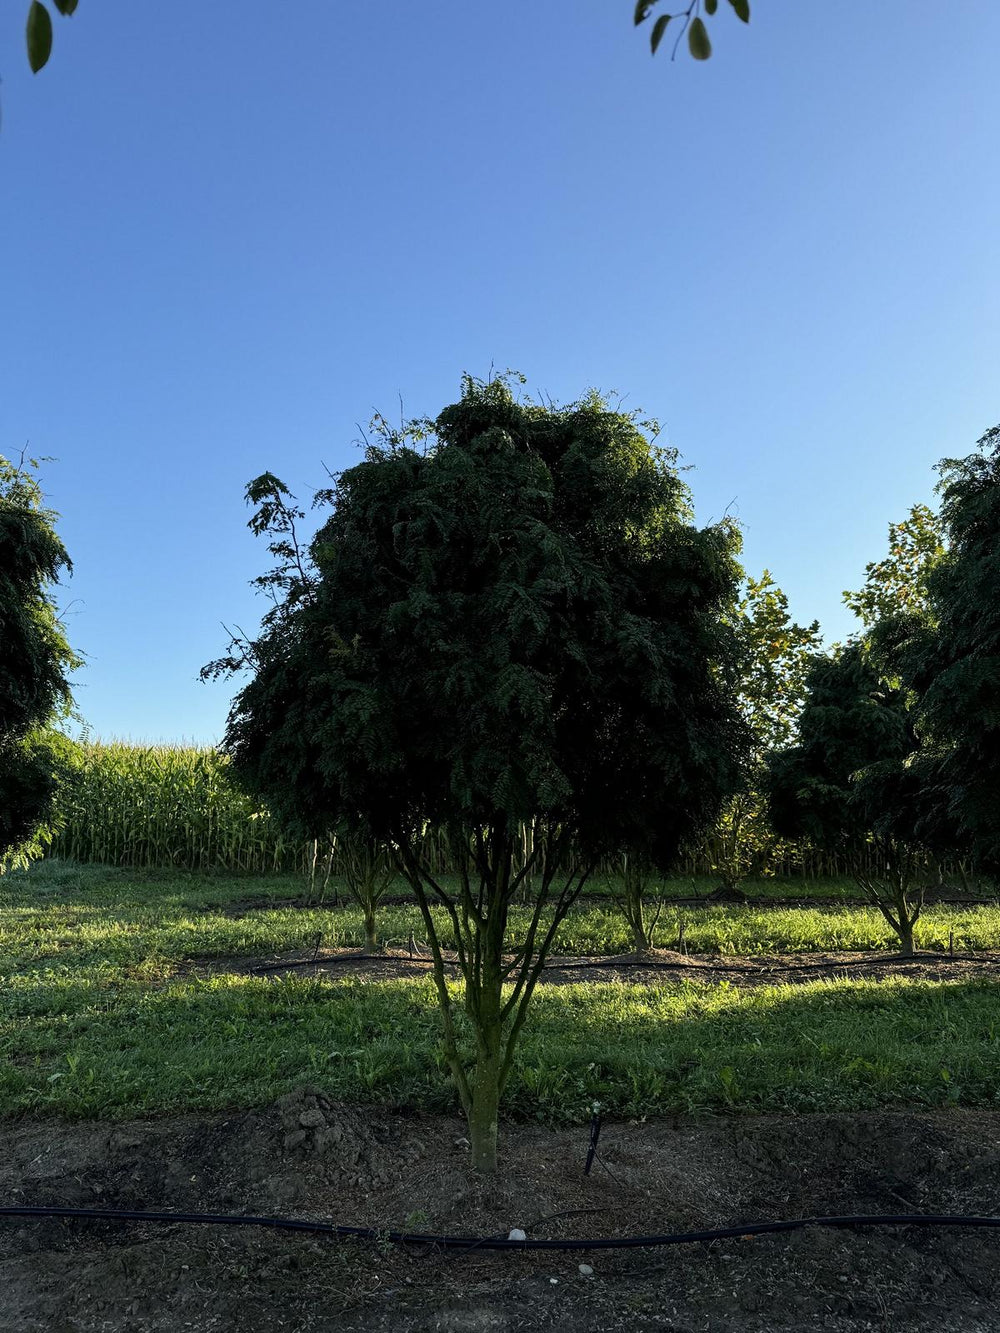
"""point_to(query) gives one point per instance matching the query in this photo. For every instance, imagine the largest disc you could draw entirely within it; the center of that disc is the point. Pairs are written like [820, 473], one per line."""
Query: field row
[152, 928]
[101, 1014]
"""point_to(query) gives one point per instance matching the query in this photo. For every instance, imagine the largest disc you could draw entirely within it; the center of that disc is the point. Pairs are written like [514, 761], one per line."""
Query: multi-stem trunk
[498, 982]
[894, 892]
[632, 904]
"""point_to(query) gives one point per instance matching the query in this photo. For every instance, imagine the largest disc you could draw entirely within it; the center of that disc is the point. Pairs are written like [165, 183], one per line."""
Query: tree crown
[510, 616]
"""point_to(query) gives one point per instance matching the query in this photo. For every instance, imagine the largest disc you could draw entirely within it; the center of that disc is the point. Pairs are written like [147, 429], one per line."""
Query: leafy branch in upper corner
[691, 22]
[38, 30]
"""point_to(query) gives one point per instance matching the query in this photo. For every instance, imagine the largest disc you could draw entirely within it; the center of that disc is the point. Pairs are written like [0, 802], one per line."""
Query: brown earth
[307, 1158]
[658, 966]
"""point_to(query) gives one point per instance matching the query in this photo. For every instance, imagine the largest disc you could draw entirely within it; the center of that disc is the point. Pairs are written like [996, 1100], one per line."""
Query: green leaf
[642, 11]
[698, 43]
[742, 8]
[39, 36]
[66, 7]
[711, 6]
[659, 28]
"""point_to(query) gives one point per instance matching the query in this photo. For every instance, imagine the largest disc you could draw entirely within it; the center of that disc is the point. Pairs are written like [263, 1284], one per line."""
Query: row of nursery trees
[509, 620]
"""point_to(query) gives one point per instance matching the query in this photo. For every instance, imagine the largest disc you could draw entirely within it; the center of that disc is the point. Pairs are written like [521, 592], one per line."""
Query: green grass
[149, 924]
[90, 1045]
[97, 1017]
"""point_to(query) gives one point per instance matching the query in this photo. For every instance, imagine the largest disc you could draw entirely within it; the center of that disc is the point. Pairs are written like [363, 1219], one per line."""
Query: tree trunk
[905, 935]
[484, 1113]
[371, 933]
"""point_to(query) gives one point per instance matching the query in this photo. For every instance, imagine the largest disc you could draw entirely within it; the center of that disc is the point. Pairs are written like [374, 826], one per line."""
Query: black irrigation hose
[500, 1243]
[764, 969]
[653, 964]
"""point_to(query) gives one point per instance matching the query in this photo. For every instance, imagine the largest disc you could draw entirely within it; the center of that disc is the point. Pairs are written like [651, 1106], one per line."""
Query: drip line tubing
[502, 1243]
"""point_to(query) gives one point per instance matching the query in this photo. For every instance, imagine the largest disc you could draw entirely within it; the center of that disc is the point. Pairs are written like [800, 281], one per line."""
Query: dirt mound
[306, 1156]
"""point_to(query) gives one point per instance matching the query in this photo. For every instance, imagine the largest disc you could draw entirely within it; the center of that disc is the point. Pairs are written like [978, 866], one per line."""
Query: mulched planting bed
[656, 967]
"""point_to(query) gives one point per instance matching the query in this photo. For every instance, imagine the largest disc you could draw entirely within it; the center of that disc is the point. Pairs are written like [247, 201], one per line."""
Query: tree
[367, 868]
[779, 654]
[897, 585]
[848, 784]
[507, 618]
[35, 657]
[629, 891]
[948, 656]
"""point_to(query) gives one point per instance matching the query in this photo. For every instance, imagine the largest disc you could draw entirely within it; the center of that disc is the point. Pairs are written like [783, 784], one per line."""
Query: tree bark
[906, 936]
[484, 1113]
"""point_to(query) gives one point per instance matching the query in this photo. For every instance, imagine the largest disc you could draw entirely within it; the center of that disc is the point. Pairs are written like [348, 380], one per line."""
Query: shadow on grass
[95, 1046]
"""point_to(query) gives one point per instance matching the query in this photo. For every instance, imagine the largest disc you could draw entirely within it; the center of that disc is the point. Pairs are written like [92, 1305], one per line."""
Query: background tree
[898, 584]
[847, 784]
[507, 617]
[629, 889]
[948, 656]
[35, 658]
[779, 653]
[368, 871]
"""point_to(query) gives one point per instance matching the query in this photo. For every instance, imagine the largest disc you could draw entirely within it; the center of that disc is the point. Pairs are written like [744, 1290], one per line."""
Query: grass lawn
[87, 1044]
[96, 1018]
[146, 924]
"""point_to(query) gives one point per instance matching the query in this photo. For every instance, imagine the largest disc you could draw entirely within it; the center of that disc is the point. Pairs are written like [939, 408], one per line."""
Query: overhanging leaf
[642, 11]
[39, 36]
[65, 7]
[711, 6]
[698, 43]
[742, 8]
[659, 28]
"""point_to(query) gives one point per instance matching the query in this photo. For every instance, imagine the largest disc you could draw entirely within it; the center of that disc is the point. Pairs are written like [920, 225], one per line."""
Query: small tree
[508, 618]
[848, 784]
[368, 870]
[35, 657]
[630, 894]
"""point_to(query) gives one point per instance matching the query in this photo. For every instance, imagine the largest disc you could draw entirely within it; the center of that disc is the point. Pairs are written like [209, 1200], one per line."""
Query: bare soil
[653, 968]
[305, 1157]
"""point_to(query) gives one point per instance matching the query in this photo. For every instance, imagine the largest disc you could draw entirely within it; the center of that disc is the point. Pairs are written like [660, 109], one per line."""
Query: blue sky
[230, 234]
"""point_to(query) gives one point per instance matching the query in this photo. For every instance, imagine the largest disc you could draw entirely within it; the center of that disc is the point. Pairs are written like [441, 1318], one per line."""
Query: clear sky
[230, 231]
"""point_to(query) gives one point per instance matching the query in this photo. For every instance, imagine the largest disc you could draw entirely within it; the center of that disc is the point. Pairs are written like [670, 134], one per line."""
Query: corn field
[160, 806]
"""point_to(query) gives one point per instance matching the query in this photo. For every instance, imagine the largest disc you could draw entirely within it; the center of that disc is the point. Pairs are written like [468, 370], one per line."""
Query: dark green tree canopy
[844, 778]
[511, 618]
[949, 655]
[35, 658]
[897, 585]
